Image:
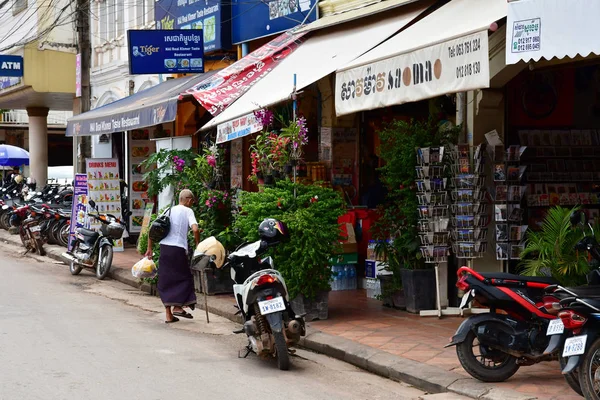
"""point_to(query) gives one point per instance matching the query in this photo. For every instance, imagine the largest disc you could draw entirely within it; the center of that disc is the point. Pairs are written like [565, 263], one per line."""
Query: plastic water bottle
[342, 280]
[349, 278]
[353, 283]
[336, 278]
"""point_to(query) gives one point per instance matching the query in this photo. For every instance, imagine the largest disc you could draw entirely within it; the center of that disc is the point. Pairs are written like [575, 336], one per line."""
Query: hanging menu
[79, 207]
[104, 189]
[140, 147]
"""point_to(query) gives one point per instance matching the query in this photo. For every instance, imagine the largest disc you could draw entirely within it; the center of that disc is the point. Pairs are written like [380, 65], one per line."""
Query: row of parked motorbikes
[533, 319]
[44, 216]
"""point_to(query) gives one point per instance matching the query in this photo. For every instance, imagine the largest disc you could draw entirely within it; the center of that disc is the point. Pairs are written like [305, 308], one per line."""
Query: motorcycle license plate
[574, 346]
[271, 306]
[35, 228]
[555, 327]
[466, 299]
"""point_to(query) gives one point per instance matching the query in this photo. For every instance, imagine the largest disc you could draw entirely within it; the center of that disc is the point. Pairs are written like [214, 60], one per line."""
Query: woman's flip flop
[175, 319]
[183, 314]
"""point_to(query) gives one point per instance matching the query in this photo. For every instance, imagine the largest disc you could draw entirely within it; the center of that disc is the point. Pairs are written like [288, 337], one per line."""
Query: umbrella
[12, 155]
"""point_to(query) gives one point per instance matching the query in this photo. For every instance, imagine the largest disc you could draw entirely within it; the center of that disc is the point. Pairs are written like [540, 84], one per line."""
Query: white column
[38, 144]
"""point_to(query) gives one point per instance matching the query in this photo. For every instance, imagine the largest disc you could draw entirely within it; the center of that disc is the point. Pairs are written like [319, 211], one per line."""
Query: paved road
[66, 337]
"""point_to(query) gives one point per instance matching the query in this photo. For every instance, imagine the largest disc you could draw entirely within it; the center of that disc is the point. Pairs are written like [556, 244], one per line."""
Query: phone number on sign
[467, 47]
[468, 69]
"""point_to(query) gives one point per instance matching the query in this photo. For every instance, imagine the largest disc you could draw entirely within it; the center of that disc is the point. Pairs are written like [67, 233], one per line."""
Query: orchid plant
[272, 150]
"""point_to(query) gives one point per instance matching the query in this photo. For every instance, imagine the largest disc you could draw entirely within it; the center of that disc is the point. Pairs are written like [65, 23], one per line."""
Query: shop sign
[129, 120]
[165, 52]
[526, 35]
[216, 93]
[6, 82]
[453, 66]
[78, 75]
[213, 17]
[11, 65]
[78, 207]
[237, 128]
[251, 20]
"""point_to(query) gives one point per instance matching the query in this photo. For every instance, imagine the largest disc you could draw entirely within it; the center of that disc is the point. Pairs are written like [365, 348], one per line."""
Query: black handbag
[160, 227]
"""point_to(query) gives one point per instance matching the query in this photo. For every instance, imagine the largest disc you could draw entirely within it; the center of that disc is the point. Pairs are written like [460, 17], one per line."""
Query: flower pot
[391, 298]
[260, 176]
[419, 289]
[314, 309]
[276, 175]
[289, 169]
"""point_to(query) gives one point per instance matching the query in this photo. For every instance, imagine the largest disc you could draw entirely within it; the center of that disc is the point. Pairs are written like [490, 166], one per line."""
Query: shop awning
[320, 55]
[376, 7]
[445, 52]
[149, 107]
[551, 28]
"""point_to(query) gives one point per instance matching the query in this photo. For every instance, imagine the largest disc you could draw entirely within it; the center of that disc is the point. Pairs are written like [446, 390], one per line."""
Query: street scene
[322, 199]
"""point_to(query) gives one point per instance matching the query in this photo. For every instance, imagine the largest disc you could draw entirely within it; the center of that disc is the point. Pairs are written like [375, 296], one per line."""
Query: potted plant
[397, 228]
[551, 250]
[311, 217]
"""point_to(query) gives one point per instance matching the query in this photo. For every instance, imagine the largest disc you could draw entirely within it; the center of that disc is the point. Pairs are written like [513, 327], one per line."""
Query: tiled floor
[353, 316]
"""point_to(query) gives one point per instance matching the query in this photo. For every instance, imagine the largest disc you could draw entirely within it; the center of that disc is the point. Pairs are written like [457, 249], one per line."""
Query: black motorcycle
[93, 249]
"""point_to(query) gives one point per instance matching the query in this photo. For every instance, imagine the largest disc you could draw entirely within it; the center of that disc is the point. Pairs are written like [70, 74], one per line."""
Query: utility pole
[83, 144]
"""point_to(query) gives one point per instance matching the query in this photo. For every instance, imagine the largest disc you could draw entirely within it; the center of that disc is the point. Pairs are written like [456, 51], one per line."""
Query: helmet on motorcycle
[18, 178]
[212, 248]
[272, 230]
[31, 183]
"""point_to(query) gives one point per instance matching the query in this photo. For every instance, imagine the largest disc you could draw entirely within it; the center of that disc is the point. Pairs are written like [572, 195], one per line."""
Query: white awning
[551, 28]
[445, 52]
[319, 56]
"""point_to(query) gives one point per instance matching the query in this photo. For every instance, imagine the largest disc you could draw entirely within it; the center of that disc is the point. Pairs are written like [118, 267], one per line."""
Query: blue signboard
[211, 16]
[11, 65]
[255, 19]
[165, 52]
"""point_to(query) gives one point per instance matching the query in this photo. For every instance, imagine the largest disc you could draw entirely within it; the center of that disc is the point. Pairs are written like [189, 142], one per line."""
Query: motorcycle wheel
[63, 234]
[572, 378]
[5, 221]
[39, 247]
[490, 365]
[51, 232]
[104, 261]
[589, 371]
[24, 237]
[74, 269]
[283, 358]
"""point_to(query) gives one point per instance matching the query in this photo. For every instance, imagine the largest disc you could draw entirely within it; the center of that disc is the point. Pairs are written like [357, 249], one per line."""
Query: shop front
[144, 123]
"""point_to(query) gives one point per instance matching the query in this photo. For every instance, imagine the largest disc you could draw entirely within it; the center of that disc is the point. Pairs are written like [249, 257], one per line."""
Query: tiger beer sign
[450, 67]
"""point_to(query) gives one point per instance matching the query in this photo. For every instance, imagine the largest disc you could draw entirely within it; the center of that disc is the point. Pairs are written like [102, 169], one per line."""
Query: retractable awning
[445, 52]
[149, 107]
[538, 29]
[320, 55]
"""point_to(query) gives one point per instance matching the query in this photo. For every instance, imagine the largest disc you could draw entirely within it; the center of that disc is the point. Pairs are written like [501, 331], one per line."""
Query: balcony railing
[19, 117]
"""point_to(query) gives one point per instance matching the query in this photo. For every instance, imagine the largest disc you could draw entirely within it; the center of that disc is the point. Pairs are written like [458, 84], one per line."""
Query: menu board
[105, 189]
[140, 147]
[79, 207]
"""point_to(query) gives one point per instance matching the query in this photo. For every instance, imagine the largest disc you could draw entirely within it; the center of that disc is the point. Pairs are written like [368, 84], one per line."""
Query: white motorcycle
[260, 292]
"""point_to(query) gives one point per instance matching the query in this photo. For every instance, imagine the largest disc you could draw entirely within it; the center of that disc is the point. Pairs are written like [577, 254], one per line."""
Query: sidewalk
[384, 341]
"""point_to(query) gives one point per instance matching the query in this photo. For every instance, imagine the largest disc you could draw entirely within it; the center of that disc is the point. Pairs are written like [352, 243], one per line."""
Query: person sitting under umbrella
[11, 175]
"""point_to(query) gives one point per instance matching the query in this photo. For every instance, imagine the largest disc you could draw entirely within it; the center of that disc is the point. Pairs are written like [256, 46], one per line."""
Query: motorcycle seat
[588, 292]
[521, 278]
[88, 232]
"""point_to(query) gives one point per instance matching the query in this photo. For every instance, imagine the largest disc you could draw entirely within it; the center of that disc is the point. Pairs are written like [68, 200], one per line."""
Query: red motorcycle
[492, 346]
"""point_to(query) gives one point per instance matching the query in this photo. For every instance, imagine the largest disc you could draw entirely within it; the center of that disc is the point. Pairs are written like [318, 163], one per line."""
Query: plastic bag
[145, 268]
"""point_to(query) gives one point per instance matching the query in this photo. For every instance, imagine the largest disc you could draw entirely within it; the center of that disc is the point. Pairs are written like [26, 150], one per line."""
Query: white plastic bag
[145, 268]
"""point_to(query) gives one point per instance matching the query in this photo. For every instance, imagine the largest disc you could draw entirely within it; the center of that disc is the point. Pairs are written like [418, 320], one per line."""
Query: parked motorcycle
[261, 294]
[504, 342]
[30, 230]
[93, 249]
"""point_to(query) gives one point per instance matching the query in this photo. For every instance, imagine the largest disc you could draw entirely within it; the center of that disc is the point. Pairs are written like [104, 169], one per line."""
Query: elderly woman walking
[175, 279]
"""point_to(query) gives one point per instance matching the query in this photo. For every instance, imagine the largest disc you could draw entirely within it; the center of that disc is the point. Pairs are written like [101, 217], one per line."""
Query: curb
[423, 376]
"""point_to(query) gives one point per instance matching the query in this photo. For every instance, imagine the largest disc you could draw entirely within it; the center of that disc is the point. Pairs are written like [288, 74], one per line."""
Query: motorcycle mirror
[92, 203]
[56, 197]
[129, 214]
[577, 217]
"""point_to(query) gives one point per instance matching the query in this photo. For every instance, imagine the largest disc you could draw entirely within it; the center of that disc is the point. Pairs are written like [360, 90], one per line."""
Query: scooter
[262, 297]
[93, 249]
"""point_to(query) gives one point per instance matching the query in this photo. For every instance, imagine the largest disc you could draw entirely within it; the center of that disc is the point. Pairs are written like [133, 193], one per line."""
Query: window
[110, 6]
[144, 12]
[103, 21]
[120, 17]
[18, 6]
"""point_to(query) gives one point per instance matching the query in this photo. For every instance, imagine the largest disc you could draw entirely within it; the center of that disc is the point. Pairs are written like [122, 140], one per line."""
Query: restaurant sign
[165, 52]
[454, 66]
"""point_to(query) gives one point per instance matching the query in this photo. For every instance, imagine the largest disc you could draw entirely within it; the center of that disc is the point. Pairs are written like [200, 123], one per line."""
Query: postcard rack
[508, 195]
[433, 208]
[469, 208]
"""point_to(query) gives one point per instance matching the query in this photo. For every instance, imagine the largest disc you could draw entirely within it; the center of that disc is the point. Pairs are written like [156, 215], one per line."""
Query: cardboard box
[375, 268]
[349, 245]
